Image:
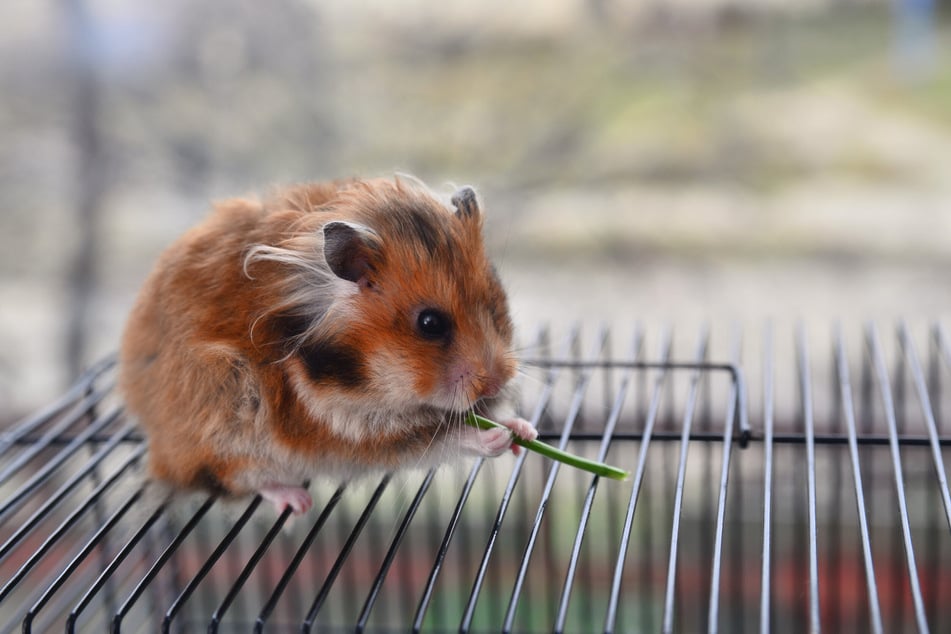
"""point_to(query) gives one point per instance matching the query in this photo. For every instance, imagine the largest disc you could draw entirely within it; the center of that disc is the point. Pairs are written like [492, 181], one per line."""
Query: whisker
[432, 439]
[538, 381]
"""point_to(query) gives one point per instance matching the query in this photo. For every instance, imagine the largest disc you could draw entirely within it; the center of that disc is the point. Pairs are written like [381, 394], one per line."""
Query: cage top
[735, 505]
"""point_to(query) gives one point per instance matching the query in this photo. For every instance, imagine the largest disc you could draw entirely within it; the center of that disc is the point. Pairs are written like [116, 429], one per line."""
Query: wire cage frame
[781, 481]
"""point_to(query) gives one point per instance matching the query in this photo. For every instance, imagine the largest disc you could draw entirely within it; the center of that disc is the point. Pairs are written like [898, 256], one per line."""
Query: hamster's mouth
[469, 386]
[474, 406]
[457, 406]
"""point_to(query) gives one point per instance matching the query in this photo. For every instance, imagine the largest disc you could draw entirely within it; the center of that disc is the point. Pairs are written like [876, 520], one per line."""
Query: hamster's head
[422, 318]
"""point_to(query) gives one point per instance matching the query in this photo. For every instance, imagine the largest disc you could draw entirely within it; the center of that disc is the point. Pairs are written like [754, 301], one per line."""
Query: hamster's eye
[433, 324]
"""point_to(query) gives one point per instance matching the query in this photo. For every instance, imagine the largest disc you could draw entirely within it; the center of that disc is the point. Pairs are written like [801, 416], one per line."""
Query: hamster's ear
[466, 203]
[348, 249]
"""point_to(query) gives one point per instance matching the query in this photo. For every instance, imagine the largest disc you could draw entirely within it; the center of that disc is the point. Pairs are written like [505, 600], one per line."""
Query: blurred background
[672, 161]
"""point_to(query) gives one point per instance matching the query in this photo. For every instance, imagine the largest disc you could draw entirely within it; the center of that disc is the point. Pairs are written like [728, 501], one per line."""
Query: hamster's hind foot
[283, 496]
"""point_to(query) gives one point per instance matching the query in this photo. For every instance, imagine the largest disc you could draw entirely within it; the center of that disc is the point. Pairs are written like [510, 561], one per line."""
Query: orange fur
[212, 361]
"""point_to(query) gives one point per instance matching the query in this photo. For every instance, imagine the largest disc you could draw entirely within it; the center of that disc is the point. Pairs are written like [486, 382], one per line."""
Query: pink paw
[521, 428]
[283, 496]
[494, 442]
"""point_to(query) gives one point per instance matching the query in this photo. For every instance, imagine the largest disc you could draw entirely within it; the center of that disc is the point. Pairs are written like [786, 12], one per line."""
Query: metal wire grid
[835, 516]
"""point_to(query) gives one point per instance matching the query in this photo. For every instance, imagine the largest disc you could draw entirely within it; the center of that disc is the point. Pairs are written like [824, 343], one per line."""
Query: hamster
[335, 328]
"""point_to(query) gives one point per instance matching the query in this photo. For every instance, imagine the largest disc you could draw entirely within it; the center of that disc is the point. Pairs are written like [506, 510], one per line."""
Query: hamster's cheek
[400, 379]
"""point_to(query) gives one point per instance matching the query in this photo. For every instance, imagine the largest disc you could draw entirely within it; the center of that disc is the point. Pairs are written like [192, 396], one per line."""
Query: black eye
[433, 324]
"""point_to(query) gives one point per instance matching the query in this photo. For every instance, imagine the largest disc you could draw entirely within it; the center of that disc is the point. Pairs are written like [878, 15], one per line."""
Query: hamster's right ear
[349, 249]
[466, 203]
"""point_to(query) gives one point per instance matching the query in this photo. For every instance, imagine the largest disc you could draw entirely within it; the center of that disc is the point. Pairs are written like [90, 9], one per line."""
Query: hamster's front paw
[521, 428]
[494, 442]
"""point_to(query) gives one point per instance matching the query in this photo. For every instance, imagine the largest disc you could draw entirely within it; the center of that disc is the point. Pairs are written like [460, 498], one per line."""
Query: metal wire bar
[921, 386]
[713, 616]
[689, 408]
[935, 539]
[918, 377]
[833, 483]
[565, 595]
[942, 339]
[318, 602]
[80, 557]
[784, 437]
[768, 410]
[391, 552]
[56, 606]
[248, 568]
[848, 412]
[541, 405]
[430, 586]
[37, 516]
[223, 545]
[44, 472]
[805, 393]
[744, 430]
[75, 392]
[779, 438]
[133, 438]
[573, 411]
[160, 563]
[866, 439]
[281, 586]
[111, 568]
[44, 442]
[610, 620]
[66, 524]
[608, 434]
[881, 373]
[21, 432]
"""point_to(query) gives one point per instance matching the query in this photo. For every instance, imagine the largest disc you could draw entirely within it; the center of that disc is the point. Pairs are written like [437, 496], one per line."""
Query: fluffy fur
[281, 339]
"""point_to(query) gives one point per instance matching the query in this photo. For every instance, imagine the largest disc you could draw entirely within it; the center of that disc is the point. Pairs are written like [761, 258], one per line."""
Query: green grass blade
[597, 468]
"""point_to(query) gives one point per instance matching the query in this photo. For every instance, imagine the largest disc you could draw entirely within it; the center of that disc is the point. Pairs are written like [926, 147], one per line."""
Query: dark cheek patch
[290, 326]
[206, 479]
[332, 363]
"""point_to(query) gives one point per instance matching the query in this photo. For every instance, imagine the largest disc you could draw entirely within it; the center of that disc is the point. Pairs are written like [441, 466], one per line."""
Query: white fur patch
[310, 289]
